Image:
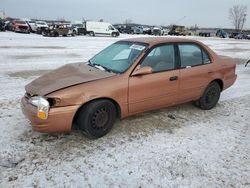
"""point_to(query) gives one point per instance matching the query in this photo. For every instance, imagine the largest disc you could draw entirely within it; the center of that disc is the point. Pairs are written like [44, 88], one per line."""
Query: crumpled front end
[59, 119]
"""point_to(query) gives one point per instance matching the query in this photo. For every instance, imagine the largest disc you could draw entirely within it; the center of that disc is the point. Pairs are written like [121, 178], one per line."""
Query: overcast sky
[204, 13]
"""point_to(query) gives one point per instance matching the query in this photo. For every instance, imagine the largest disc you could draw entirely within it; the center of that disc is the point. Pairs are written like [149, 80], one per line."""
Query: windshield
[20, 22]
[119, 56]
[41, 23]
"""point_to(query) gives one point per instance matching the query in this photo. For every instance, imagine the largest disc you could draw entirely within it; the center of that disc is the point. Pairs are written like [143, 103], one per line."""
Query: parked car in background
[32, 26]
[100, 28]
[40, 26]
[156, 31]
[221, 33]
[242, 36]
[20, 26]
[165, 31]
[8, 25]
[233, 34]
[126, 29]
[129, 77]
[79, 29]
[138, 30]
[205, 33]
[58, 30]
[147, 31]
[179, 30]
[2, 28]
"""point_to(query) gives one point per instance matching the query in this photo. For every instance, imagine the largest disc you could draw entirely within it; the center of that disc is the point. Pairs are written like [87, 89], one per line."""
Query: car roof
[159, 40]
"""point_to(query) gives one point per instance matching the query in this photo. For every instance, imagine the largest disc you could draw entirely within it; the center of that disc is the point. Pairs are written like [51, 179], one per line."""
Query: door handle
[173, 78]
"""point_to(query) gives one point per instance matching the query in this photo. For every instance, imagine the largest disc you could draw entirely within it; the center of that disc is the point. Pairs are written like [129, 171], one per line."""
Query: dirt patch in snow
[35, 56]
[28, 73]
[240, 61]
[235, 50]
[34, 47]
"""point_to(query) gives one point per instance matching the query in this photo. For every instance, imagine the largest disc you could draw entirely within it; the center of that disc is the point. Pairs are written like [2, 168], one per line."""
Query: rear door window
[190, 55]
[206, 59]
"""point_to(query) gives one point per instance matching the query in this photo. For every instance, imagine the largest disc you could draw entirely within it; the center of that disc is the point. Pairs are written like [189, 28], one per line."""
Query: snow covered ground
[181, 146]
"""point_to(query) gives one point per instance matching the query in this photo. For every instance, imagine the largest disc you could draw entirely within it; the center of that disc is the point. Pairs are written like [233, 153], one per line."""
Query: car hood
[65, 76]
[41, 25]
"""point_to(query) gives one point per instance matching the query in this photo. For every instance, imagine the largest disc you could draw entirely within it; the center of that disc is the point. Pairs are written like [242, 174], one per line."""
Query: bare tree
[237, 14]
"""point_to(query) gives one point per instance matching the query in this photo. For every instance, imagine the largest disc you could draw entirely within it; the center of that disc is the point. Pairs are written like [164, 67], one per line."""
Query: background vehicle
[40, 26]
[58, 30]
[79, 29]
[165, 31]
[233, 34]
[20, 26]
[156, 31]
[147, 30]
[100, 28]
[221, 33]
[8, 26]
[2, 28]
[205, 34]
[126, 29]
[179, 31]
[138, 30]
[242, 36]
[32, 26]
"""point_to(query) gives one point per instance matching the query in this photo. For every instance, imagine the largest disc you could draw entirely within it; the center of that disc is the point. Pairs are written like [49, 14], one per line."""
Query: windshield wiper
[101, 67]
[105, 68]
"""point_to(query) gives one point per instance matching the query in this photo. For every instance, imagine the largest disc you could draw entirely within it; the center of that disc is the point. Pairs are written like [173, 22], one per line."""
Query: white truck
[100, 28]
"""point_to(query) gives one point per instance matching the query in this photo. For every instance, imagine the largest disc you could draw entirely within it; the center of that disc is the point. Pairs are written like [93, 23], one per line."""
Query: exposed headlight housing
[42, 105]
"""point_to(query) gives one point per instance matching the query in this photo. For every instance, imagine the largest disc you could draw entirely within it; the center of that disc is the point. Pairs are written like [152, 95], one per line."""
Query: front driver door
[158, 89]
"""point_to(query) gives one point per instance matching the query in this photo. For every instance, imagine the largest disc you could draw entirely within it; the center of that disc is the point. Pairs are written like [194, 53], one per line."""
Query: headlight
[35, 100]
[42, 106]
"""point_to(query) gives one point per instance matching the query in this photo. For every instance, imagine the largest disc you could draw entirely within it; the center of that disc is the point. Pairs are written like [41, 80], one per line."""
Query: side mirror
[142, 71]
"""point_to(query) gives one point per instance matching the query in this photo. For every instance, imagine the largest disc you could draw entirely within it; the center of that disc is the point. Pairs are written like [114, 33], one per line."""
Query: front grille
[23, 27]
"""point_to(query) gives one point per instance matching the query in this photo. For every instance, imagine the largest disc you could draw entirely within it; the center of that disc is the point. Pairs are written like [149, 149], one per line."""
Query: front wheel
[91, 33]
[210, 96]
[97, 118]
[114, 34]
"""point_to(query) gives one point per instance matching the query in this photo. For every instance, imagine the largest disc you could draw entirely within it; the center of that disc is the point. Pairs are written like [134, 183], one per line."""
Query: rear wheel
[210, 96]
[97, 118]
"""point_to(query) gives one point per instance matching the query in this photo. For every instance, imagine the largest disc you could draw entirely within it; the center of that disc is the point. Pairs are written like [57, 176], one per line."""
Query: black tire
[210, 97]
[97, 118]
[91, 33]
[114, 34]
[55, 34]
[73, 33]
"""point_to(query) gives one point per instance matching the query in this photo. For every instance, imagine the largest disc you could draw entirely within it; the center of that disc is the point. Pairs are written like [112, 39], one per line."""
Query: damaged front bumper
[59, 119]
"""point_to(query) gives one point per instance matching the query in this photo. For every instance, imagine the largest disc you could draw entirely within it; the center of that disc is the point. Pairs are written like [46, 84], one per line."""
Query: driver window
[161, 58]
[111, 28]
